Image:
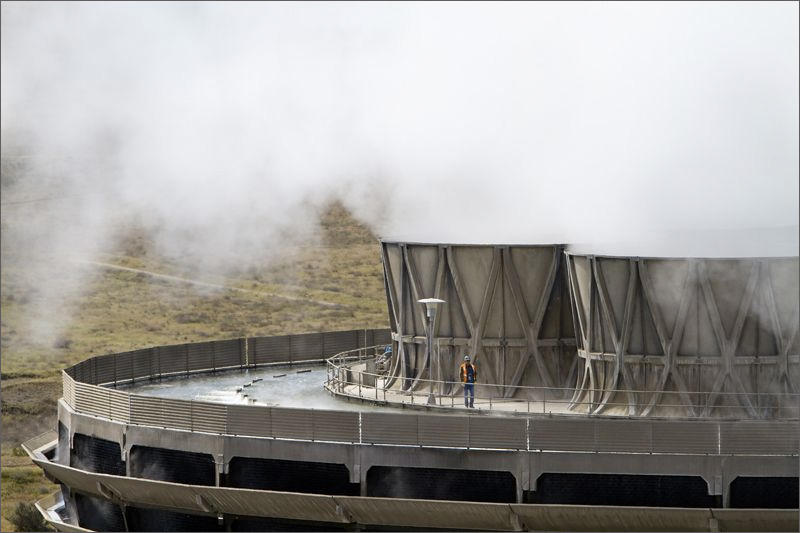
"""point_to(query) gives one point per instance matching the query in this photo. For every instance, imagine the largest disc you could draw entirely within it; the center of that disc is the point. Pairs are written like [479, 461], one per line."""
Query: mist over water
[224, 128]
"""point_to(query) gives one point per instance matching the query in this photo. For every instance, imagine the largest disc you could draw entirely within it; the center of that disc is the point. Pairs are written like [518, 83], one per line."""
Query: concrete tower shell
[685, 332]
[508, 306]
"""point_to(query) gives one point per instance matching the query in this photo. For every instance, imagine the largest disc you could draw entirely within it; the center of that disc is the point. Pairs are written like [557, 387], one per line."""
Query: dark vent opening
[172, 465]
[159, 520]
[249, 523]
[622, 489]
[96, 455]
[277, 524]
[441, 484]
[764, 492]
[98, 514]
[291, 476]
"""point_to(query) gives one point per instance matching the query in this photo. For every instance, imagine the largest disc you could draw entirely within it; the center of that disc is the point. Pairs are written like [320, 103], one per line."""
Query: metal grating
[147, 411]
[307, 346]
[123, 367]
[228, 353]
[338, 426]
[249, 420]
[624, 436]
[91, 400]
[172, 359]
[684, 437]
[199, 356]
[269, 349]
[381, 336]
[68, 385]
[83, 371]
[562, 435]
[105, 368]
[339, 341]
[504, 433]
[438, 430]
[292, 423]
[388, 428]
[119, 406]
[177, 413]
[759, 438]
[143, 366]
[208, 417]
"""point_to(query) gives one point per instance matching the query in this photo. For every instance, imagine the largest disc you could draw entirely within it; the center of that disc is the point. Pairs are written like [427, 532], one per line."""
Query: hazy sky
[221, 125]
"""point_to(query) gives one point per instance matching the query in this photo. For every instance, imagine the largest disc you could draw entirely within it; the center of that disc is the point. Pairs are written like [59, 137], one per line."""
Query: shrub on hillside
[27, 518]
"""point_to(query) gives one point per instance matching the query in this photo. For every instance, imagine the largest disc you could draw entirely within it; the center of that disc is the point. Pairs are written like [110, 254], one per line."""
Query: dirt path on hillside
[198, 283]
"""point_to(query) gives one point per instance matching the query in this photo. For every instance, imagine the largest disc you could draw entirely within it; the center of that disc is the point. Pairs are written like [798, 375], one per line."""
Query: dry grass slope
[122, 310]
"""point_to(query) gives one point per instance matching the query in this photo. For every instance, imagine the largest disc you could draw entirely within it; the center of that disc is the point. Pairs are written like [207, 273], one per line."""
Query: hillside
[135, 299]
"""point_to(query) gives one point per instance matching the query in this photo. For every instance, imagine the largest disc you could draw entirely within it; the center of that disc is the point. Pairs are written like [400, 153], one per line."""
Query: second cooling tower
[686, 336]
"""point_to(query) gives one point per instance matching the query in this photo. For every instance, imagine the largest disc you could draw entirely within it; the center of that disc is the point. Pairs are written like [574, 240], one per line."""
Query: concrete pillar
[726, 491]
[523, 476]
[534, 469]
[221, 468]
[715, 487]
[127, 454]
[362, 480]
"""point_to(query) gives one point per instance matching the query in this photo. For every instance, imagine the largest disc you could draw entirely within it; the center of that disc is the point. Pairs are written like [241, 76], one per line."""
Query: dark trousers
[469, 391]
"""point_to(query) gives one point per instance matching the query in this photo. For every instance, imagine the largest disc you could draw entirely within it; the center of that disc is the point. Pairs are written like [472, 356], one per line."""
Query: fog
[223, 129]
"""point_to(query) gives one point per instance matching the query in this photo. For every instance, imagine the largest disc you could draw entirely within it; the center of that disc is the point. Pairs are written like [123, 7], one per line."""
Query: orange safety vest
[463, 371]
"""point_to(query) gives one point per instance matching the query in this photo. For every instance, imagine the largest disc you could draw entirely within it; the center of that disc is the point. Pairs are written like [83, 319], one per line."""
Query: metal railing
[346, 377]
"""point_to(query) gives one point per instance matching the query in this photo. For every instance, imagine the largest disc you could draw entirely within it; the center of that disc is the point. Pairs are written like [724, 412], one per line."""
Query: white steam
[223, 127]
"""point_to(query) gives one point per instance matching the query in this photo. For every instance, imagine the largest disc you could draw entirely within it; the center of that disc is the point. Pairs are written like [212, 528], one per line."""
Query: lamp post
[431, 304]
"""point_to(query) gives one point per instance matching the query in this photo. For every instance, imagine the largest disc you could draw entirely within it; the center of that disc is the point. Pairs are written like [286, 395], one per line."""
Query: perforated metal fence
[83, 393]
[165, 361]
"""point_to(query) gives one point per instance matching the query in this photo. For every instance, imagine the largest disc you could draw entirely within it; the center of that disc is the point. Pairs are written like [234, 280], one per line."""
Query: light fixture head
[431, 304]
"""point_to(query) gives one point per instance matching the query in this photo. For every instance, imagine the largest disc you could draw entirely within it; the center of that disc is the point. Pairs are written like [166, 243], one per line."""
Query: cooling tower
[507, 306]
[240, 435]
[685, 336]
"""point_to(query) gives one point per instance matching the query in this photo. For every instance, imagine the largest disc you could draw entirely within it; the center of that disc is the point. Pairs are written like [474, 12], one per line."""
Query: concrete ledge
[399, 512]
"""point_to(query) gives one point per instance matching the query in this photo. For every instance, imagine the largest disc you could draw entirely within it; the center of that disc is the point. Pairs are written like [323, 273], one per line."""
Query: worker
[469, 375]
